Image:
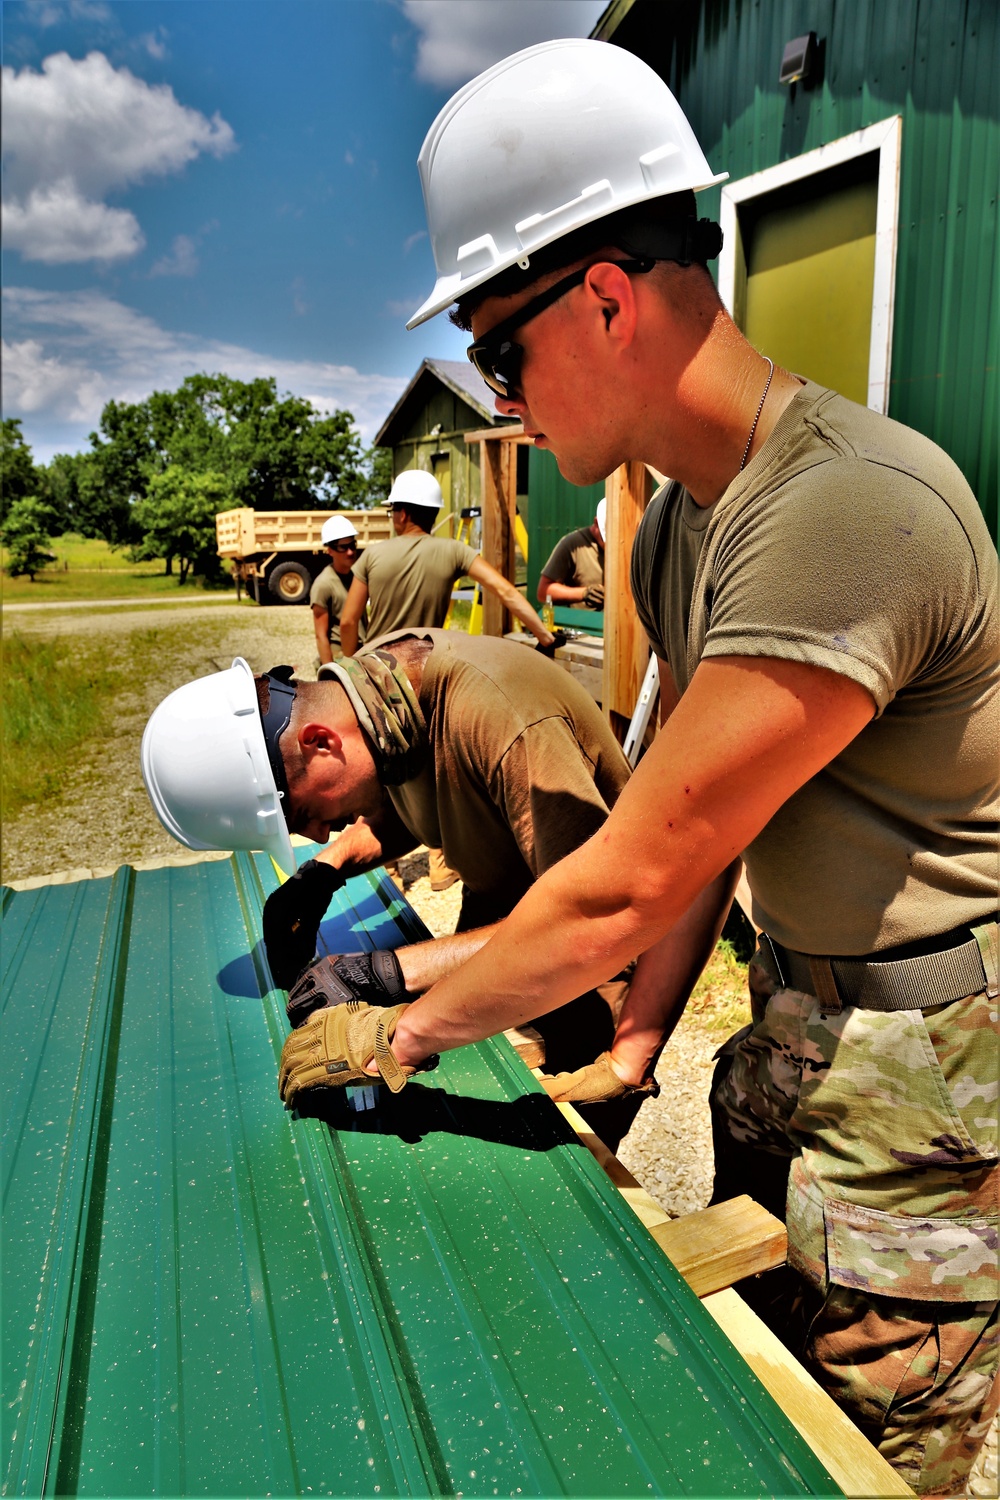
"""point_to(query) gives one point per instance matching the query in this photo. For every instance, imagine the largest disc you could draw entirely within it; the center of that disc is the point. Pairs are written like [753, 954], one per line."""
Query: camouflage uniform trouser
[887, 1127]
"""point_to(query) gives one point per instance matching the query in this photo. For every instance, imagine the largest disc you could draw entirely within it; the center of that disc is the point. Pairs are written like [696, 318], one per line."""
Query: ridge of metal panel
[205, 1295]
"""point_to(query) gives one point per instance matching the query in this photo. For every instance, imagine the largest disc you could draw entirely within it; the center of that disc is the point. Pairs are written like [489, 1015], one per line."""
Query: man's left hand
[373, 978]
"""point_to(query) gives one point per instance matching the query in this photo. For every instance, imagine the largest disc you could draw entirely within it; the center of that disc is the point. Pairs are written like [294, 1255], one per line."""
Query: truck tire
[289, 583]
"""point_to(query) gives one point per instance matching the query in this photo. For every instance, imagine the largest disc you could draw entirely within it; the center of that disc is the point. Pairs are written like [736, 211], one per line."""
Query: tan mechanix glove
[594, 1084]
[332, 1047]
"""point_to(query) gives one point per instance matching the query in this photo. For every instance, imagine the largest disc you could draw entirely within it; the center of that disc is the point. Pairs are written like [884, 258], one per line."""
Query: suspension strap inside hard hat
[281, 697]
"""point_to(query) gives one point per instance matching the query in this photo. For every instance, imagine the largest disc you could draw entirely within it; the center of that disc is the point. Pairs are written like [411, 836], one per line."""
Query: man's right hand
[373, 978]
[292, 915]
[593, 597]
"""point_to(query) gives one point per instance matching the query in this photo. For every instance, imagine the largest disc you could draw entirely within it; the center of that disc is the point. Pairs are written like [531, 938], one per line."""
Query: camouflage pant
[887, 1127]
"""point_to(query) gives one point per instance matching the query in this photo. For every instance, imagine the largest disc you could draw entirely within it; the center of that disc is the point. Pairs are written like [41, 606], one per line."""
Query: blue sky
[228, 185]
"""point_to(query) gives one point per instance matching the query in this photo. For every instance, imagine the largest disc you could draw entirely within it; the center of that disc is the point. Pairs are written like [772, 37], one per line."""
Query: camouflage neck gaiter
[386, 705]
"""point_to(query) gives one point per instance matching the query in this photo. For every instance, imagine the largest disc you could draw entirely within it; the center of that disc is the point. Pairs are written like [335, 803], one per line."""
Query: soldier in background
[574, 574]
[330, 588]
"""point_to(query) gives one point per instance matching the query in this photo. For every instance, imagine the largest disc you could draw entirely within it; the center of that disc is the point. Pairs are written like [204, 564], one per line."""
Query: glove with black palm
[594, 597]
[292, 915]
[373, 978]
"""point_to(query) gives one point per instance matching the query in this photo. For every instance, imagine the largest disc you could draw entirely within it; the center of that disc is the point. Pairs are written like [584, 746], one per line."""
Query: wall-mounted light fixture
[799, 59]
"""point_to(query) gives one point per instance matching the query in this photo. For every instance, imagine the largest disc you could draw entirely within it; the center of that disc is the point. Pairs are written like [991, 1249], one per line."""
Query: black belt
[965, 964]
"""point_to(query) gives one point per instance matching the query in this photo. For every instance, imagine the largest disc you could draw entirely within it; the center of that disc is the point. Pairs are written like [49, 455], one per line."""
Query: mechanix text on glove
[374, 978]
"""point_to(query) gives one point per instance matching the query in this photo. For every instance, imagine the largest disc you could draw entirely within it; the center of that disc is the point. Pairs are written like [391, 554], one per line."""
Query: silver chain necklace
[753, 429]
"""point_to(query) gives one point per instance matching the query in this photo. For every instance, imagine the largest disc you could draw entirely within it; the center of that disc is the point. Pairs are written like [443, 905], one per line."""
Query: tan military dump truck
[276, 554]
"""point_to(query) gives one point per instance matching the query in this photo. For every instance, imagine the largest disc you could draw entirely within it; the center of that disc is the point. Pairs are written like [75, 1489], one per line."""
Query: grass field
[88, 569]
[52, 701]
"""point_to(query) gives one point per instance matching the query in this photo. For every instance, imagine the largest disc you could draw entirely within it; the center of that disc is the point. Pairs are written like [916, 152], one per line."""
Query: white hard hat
[544, 142]
[210, 767]
[602, 518]
[416, 487]
[335, 529]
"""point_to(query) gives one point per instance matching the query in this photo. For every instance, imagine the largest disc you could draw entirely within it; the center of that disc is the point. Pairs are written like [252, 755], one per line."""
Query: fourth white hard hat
[416, 487]
[544, 142]
[335, 529]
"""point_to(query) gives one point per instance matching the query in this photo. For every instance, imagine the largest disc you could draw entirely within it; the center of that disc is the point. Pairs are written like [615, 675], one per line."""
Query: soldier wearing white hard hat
[328, 594]
[409, 579]
[820, 589]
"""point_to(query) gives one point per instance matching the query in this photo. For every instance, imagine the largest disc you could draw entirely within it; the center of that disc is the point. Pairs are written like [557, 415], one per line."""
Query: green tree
[177, 519]
[18, 476]
[26, 534]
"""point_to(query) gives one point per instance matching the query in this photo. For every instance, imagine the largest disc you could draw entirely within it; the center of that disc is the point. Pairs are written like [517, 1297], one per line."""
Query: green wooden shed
[426, 430]
[862, 143]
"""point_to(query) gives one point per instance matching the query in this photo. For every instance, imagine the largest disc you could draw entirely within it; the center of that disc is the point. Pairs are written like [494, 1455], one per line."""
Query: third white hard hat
[335, 529]
[544, 142]
[416, 487]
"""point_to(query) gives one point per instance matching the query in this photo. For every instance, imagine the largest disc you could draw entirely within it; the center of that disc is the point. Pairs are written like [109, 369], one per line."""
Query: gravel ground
[104, 819]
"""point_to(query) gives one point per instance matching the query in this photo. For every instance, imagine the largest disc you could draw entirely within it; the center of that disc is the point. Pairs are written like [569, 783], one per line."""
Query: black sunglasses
[341, 546]
[498, 358]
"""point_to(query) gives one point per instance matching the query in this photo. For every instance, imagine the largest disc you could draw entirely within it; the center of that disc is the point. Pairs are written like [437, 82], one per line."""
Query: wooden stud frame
[884, 138]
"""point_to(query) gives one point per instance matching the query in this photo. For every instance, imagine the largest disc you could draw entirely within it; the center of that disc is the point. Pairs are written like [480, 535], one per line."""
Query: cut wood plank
[723, 1243]
[856, 1466]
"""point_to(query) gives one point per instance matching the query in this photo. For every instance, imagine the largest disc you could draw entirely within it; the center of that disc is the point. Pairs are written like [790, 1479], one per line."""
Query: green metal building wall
[936, 63]
[557, 507]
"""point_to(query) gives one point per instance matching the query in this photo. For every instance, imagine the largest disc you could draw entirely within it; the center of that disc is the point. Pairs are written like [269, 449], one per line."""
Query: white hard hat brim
[448, 289]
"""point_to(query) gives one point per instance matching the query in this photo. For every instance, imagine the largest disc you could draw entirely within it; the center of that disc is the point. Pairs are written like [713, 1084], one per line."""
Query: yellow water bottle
[549, 614]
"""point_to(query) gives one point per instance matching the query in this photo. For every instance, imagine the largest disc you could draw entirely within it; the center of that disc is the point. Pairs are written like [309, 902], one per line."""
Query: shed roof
[207, 1295]
[460, 377]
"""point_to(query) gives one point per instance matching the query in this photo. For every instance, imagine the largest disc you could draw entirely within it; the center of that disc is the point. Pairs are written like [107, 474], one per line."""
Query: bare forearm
[425, 964]
[323, 648]
[665, 976]
[348, 637]
[511, 599]
[566, 593]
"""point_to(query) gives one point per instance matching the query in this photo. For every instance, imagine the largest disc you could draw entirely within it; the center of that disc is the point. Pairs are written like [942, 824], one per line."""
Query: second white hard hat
[335, 529]
[416, 487]
[602, 518]
[207, 767]
[544, 142]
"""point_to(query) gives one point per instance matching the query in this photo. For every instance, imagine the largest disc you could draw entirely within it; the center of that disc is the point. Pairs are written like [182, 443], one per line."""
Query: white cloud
[459, 38]
[68, 353]
[79, 130]
[181, 260]
[55, 225]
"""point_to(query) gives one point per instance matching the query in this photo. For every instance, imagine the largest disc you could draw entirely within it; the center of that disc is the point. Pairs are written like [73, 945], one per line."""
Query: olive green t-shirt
[856, 544]
[329, 591]
[522, 768]
[410, 579]
[578, 561]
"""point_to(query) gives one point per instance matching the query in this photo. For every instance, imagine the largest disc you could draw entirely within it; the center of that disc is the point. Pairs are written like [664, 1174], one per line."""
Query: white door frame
[885, 138]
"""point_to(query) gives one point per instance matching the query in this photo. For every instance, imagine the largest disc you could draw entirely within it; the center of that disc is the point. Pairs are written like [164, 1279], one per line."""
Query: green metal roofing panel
[204, 1295]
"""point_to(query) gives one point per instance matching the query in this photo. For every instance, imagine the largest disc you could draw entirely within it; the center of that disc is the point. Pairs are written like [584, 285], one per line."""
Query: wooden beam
[626, 650]
[512, 432]
[499, 503]
[854, 1463]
